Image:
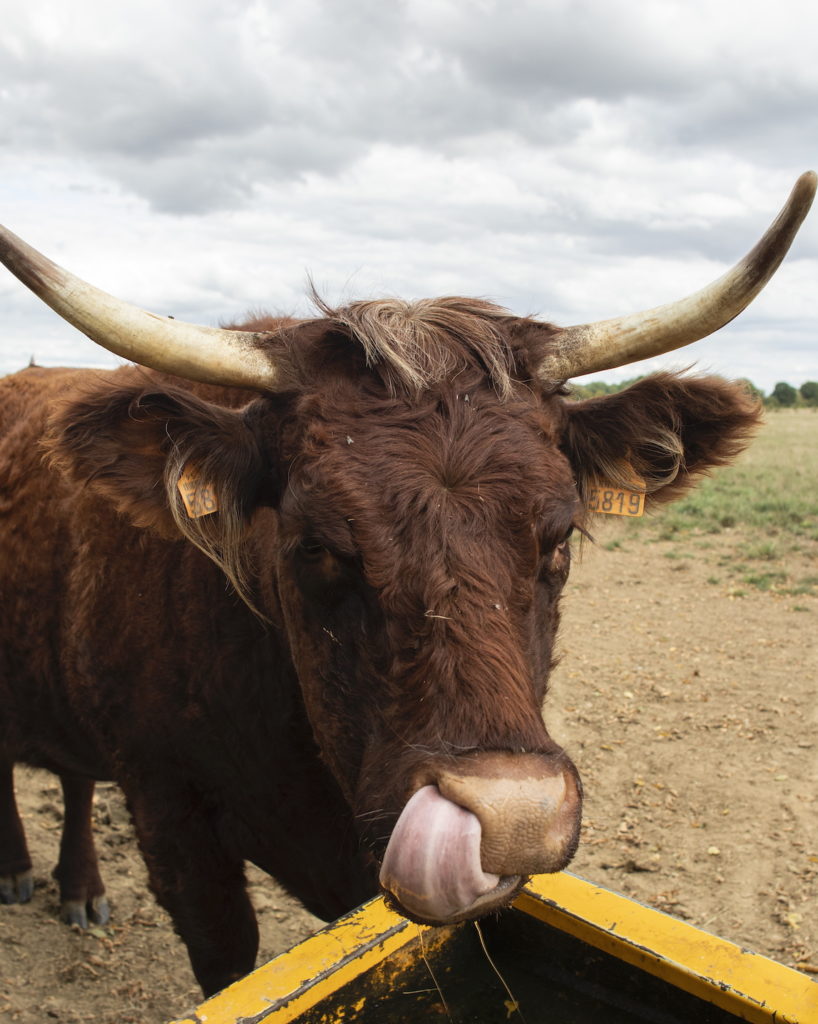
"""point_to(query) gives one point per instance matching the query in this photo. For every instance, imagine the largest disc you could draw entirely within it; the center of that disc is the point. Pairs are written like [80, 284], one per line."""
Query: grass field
[757, 520]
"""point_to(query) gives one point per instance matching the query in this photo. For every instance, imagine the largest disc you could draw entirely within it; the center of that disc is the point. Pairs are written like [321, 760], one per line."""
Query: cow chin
[464, 843]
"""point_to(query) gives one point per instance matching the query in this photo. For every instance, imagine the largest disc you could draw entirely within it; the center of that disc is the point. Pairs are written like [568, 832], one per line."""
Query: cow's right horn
[208, 354]
[593, 347]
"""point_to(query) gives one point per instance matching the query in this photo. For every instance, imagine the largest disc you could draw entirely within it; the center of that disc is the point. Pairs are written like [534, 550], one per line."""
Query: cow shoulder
[667, 428]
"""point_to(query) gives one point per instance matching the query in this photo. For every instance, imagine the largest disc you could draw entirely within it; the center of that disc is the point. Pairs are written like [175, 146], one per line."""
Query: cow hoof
[100, 912]
[16, 888]
[81, 912]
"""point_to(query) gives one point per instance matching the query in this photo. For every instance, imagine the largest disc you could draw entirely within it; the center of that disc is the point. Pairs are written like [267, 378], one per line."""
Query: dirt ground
[689, 707]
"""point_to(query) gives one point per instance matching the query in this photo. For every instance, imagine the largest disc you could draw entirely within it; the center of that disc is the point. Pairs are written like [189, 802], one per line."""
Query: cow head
[401, 496]
[422, 552]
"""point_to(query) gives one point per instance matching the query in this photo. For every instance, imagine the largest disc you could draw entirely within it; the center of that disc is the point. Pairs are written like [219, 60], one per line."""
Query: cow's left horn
[207, 354]
[590, 348]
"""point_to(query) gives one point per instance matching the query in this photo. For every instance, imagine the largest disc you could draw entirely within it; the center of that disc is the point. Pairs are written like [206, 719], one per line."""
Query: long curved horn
[207, 354]
[589, 348]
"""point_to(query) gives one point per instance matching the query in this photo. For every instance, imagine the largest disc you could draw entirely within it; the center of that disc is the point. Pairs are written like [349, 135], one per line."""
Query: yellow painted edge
[744, 983]
[297, 980]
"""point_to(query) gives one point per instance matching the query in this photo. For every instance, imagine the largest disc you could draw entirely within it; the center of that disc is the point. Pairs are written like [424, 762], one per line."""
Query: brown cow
[396, 485]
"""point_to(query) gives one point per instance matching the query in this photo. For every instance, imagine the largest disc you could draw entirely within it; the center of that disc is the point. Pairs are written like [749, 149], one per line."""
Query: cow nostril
[529, 813]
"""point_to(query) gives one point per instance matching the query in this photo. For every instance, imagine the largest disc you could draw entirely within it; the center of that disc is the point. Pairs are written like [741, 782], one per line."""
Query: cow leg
[82, 894]
[201, 884]
[16, 881]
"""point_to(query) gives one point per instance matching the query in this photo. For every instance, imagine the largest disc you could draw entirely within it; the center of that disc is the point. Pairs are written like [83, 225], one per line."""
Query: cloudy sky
[572, 159]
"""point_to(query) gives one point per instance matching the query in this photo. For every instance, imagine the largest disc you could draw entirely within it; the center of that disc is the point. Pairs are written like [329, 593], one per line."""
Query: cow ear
[666, 429]
[131, 444]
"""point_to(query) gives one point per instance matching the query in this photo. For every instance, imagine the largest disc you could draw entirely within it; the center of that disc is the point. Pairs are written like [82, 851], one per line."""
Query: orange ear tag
[199, 497]
[612, 500]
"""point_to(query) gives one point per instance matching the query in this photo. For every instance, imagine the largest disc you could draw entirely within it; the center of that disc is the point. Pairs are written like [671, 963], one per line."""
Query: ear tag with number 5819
[613, 500]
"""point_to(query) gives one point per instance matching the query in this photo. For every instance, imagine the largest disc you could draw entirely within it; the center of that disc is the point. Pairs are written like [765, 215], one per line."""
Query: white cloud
[575, 158]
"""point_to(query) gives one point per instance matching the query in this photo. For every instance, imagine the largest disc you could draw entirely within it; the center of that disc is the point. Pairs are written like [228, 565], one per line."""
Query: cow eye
[311, 549]
[562, 545]
[558, 557]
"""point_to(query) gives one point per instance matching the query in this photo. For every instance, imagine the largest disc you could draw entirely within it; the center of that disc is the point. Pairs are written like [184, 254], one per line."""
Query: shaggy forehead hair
[418, 344]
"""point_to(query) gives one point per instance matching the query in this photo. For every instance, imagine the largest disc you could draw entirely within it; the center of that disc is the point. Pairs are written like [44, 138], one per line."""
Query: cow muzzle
[474, 829]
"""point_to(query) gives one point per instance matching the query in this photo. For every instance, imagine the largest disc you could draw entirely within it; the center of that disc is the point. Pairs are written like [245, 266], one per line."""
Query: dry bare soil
[686, 695]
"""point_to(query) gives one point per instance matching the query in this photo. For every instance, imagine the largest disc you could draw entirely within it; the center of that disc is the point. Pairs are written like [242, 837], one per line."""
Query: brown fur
[400, 520]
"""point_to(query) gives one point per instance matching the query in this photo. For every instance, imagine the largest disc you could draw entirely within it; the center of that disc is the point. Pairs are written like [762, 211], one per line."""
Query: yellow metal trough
[569, 952]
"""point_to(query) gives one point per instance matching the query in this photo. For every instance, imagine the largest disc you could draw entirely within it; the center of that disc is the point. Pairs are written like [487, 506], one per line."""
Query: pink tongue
[432, 862]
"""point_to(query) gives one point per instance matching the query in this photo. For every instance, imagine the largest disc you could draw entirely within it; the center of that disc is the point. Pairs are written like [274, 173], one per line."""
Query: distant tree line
[782, 396]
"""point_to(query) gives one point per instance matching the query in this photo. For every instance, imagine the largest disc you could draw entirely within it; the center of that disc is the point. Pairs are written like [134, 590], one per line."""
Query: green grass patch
[766, 551]
[765, 580]
[806, 585]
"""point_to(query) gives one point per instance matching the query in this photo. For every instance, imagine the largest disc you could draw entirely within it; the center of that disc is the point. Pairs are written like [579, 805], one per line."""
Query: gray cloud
[559, 155]
[191, 107]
